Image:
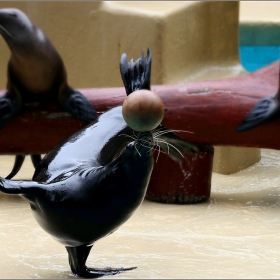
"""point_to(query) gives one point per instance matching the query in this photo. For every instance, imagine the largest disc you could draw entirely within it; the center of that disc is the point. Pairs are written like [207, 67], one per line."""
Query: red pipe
[209, 110]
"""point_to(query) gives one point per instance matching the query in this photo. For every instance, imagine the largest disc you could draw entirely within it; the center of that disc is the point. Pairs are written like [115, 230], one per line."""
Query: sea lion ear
[10, 104]
[136, 75]
[77, 105]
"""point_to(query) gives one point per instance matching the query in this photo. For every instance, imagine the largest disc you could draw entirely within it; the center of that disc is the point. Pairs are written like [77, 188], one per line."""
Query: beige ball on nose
[143, 110]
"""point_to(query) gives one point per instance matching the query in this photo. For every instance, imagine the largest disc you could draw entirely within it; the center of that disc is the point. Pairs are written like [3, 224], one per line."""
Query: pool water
[255, 57]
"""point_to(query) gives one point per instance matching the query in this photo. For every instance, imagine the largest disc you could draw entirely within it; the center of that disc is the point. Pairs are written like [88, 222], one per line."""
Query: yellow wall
[189, 40]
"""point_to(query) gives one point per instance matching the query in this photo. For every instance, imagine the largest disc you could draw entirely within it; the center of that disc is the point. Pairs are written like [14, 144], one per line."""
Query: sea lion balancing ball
[143, 110]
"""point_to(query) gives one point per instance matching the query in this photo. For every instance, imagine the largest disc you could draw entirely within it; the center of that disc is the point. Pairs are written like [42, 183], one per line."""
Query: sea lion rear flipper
[77, 105]
[265, 110]
[17, 166]
[77, 260]
[136, 75]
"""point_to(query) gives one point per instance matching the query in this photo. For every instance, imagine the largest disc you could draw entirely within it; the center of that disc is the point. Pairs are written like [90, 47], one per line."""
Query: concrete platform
[233, 235]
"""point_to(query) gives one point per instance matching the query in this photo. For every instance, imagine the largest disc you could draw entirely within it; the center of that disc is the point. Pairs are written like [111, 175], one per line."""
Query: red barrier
[211, 110]
[189, 182]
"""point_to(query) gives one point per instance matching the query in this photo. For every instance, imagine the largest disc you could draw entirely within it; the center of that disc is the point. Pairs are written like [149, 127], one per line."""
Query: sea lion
[93, 181]
[268, 108]
[36, 73]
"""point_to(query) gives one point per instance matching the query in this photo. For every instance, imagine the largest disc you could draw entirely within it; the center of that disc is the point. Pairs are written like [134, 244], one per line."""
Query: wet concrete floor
[233, 235]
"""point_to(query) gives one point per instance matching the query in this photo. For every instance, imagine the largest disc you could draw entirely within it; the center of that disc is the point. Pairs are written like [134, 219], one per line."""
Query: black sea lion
[36, 72]
[92, 182]
[265, 110]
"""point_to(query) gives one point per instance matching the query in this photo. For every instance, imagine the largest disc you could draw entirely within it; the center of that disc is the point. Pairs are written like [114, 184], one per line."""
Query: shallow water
[233, 235]
[255, 57]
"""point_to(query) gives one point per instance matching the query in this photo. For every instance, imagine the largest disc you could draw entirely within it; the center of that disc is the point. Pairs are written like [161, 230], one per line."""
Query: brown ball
[143, 110]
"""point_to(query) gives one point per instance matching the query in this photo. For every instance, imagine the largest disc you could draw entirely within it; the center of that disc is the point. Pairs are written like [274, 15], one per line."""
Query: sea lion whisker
[159, 133]
[159, 151]
[145, 146]
[135, 134]
[180, 130]
[156, 146]
[159, 140]
[157, 129]
[134, 138]
[137, 149]
[6, 31]
[168, 144]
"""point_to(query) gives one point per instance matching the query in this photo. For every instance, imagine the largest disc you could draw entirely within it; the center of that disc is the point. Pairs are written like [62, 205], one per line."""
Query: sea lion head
[16, 28]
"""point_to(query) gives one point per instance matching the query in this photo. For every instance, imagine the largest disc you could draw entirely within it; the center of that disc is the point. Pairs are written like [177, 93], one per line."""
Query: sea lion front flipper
[77, 261]
[20, 187]
[10, 105]
[265, 110]
[136, 75]
[77, 105]
[36, 159]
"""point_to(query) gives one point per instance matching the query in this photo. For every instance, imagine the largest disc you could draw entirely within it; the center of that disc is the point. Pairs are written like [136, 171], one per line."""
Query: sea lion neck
[32, 44]
[37, 70]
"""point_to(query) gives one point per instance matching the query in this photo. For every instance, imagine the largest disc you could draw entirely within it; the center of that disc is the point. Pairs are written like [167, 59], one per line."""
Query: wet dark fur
[93, 181]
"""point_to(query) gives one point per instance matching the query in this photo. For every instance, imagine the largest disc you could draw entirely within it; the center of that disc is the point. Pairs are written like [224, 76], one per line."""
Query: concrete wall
[260, 23]
[190, 41]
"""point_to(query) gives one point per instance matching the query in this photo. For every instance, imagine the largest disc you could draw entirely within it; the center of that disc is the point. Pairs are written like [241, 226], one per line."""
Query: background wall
[189, 40]
[260, 23]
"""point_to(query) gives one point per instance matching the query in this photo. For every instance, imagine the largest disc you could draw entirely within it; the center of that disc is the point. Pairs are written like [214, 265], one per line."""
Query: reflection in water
[233, 235]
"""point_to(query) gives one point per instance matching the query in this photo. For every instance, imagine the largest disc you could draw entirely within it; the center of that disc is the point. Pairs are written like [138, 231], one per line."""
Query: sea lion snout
[14, 23]
[141, 148]
[144, 144]
[146, 138]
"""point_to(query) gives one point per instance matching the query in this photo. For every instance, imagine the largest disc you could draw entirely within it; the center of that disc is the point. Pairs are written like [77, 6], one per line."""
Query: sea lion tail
[136, 75]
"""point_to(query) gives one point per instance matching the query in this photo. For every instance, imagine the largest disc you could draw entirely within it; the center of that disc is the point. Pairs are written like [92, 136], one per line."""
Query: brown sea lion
[36, 73]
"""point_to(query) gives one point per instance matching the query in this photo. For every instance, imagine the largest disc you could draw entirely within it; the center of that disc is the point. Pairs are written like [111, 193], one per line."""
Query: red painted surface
[189, 182]
[209, 110]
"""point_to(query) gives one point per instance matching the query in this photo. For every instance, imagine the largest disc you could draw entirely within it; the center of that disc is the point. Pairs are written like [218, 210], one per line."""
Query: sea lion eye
[13, 14]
